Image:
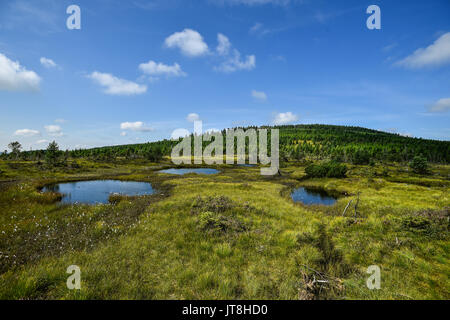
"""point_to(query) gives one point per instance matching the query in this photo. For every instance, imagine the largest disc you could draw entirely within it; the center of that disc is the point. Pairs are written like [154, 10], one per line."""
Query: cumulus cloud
[138, 126]
[26, 133]
[117, 86]
[54, 130]
[434, 55]
[14, 77]
[179, 133]
[259, 95]
[189, 41]
[284, 118]
[233, 61]
[42, 141]
[156, 69]
[442, 105]
[191, 44]
[48, 63]
[193, 117]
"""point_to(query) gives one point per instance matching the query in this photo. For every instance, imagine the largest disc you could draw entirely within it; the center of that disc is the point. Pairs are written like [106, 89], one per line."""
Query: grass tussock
[218, 215]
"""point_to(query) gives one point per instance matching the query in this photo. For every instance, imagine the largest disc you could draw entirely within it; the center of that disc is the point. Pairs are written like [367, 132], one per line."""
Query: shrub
[154, 154]
[415, 223]
[213, 204]
[329, 169]
[336, 170]
[361, 156]
[214, 222]
[75, 165]
[433, 223]
[419, 164]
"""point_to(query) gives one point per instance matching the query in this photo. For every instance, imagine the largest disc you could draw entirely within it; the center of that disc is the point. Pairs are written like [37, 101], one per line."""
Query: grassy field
[234, 235]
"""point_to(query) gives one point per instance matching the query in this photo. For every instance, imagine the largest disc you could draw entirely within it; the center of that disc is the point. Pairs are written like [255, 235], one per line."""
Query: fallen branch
[348, 205]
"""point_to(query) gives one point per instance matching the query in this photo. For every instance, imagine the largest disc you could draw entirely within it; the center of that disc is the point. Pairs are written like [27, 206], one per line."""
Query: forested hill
[342, 143]
[350, 143]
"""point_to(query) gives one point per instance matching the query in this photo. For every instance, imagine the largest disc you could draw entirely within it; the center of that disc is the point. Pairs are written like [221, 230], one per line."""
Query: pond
[313, 196]
[98, 191]
[182, 171]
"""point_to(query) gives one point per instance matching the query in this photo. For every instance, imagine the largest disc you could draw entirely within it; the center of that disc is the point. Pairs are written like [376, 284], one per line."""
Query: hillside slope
[343, 143]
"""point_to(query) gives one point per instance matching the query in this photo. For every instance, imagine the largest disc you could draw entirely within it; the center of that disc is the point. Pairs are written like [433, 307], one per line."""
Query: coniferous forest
[297, 142]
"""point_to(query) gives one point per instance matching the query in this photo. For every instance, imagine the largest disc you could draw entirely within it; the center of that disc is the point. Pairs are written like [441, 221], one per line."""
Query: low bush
[218, 223]
[328, 169]
[213, 204]
[361, 157]
[433, 223]
[419, 165]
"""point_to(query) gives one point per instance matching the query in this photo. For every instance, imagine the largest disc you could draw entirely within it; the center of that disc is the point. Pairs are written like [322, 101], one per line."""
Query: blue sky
[136, 69]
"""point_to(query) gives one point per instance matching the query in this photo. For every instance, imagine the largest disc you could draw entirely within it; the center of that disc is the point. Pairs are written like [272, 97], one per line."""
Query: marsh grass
[235, 235]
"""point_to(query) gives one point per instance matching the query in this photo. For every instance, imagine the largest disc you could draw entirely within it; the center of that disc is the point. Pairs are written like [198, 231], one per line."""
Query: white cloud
[389, 47]
[193, 117]
[189, 41]
[284, 118]
[14, 77]
[434, 55]
[233, 60]
[191, 44]
[48, 63]
[442, 105]
[153, 68]
[42, 141]
[179, 133]
[26, 133]
[234, 63]
[259, 95]
[54, 130]
[259, 29]
[223, 48]
[212, 130]
[123, 133]
[116, 86]
[256, 27]
[135, 126]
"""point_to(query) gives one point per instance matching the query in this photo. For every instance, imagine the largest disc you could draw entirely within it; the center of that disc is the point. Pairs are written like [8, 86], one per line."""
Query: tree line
[297, 142]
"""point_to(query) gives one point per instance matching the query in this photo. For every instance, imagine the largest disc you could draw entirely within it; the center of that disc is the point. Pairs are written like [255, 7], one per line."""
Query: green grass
[235, 235]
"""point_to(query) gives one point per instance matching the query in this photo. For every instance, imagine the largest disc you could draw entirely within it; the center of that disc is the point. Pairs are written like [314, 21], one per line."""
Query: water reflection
[98, 191]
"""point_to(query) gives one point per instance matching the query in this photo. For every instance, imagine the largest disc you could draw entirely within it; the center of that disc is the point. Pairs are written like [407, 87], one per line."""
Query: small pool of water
[182, 171]
[98, 191]
[312, 196]
[247, 165]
